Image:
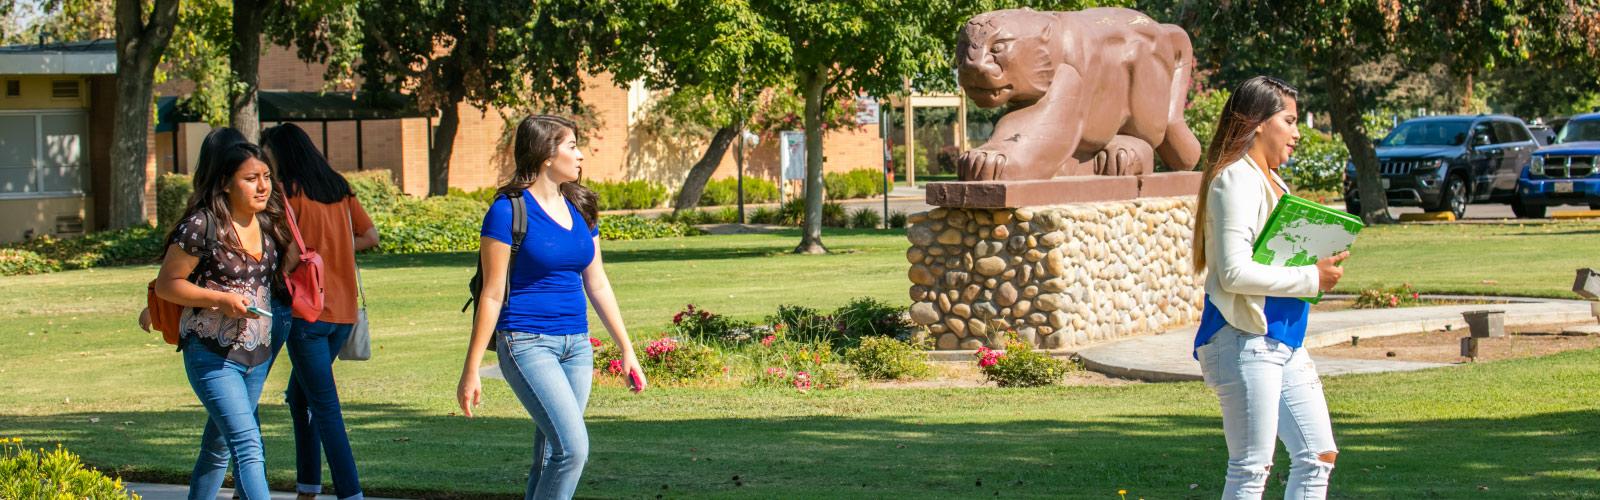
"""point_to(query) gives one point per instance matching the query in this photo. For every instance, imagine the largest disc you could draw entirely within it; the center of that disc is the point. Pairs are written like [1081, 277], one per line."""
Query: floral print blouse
[245, 341]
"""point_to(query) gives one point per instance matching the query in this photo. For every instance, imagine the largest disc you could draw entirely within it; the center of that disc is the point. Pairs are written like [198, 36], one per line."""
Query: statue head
[1004, 57]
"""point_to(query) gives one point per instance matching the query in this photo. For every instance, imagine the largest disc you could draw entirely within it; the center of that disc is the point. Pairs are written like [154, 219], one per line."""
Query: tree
[142, 36]
[486, 53]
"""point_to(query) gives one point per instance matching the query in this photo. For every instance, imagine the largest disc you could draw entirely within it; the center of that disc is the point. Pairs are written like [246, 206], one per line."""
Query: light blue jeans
[229, 391]
[1268, 389]
[551, 375]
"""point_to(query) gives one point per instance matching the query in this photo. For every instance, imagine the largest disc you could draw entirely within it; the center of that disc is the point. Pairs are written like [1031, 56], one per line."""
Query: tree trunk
[695, 183]
[444, 142]
[811, 229]
[1347, 120]
[244, 59]
[139, 46]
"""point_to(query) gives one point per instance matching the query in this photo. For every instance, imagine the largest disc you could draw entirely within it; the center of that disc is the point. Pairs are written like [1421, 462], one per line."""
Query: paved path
[152, 491]
[1167, 357]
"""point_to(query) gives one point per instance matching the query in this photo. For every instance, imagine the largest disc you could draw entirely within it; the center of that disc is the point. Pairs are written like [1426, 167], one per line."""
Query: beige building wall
[38, 216]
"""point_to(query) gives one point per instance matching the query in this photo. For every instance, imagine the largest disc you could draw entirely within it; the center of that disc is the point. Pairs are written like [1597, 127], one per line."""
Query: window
[1515, 132]
[1483, 134]
[13, 88]
[64, 89]
[42, 154]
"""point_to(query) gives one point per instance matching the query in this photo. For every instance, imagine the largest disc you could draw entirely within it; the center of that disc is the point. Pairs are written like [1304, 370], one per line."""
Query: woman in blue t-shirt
[1251, 330]
[539, 323]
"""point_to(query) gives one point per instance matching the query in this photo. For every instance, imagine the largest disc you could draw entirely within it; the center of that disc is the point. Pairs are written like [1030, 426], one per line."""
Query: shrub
[833, 215]
[1318, 164]
[867, 317]
[864, 218]
[628, 195]
[671, 361]
[633, 227]
[858, 183]
[703, 326]
[1019, 365]
[728, 214]
[14, 262]
[792, 213]
[141, 244]
[376, 190]
[798, 364]
[948, 157]
[1376, 296]
[172, 197]
[897, 220]
[436, 224]
[802, 323]
[882, 358]
[607, 358]
[54, 474]
[762, 215]
[485, 194]
[924, 160]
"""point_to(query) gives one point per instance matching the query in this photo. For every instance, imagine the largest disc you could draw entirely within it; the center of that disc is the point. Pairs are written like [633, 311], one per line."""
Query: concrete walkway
[152, 491]
[1168, 357]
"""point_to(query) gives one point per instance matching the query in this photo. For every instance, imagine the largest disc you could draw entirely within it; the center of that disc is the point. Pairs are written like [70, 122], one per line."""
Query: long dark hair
[538, 139]
[301, 168]
[1253, 103]
[221, 154]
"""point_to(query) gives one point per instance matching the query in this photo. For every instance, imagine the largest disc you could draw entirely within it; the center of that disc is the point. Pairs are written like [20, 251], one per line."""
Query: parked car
[1442, 163]
[1564, 172]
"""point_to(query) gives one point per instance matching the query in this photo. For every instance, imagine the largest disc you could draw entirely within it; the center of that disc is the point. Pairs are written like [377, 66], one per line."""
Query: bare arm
[493, 254]
[369, 239]
[598, 287]
[172, 284]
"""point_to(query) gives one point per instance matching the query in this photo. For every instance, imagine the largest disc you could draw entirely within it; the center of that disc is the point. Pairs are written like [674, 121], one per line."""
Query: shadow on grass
[406, 453]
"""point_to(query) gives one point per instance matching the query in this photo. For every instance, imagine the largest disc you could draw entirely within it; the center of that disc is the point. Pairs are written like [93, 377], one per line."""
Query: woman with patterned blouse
[224, 258]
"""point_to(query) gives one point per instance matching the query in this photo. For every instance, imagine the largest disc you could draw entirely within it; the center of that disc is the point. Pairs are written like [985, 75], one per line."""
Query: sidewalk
[1168, 357]
[152, 491]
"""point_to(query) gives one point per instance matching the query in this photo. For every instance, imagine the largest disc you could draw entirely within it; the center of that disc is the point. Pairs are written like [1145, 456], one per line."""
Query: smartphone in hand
[259, 311]
[634, 384]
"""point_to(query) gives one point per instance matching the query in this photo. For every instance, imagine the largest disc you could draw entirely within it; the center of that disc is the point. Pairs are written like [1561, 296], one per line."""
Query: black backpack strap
[519, 229]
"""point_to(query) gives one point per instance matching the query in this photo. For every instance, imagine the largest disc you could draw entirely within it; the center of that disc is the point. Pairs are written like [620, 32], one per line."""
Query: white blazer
[1237, 207]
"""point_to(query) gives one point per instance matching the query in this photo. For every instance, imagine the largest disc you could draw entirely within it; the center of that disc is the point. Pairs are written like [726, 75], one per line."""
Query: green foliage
[715, 329]
[802, 323]
[14, 262]
[833, 215]
[54, 475]
[172, 197]
[897, 220]
[668, 361]
[726, 191]
[141, 244]
[795, 363]
[628, 195]
[1377, 296]
[483, 195]
[792, 212]
[1205, 108]
[633, 227]
[1019, 365]
[884, 358]
[865, 218]
[924, 160]
[858, 183]
[762, 215]
[869, 317]
[376, 190]
[1318, 163]
[437, 224]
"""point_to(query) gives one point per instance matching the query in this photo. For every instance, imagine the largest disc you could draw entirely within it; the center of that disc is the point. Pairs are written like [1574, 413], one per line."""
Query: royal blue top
[547, 282]
[1286, 321]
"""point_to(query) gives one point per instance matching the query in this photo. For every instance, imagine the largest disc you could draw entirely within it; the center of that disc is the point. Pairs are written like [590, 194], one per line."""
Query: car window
[1428, 133]
[1484, 129]
[1581, 130]
[1506, 131]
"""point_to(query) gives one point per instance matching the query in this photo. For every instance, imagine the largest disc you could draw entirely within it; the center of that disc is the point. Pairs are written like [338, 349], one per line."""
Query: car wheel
[1453, 198]
[1527, 211]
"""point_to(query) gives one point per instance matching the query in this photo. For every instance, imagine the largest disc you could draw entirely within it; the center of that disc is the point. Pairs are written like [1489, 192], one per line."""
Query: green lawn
[1524, 428]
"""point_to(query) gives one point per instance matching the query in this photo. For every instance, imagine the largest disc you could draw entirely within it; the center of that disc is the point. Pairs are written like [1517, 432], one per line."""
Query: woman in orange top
[333, 222]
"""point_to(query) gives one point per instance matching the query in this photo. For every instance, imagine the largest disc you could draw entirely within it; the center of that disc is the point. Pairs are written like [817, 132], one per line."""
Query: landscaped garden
[76, 370]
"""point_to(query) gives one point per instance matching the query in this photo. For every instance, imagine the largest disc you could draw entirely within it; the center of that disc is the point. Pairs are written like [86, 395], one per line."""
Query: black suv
[1442, 163]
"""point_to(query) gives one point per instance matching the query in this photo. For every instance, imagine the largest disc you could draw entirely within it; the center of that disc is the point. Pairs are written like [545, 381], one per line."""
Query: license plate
[1386, 184]
[1562, 187]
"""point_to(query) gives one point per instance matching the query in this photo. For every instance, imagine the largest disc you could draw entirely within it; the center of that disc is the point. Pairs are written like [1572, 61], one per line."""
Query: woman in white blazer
[1253, 324]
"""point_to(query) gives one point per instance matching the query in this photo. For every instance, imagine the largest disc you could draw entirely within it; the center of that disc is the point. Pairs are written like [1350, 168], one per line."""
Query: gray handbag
[359, 346]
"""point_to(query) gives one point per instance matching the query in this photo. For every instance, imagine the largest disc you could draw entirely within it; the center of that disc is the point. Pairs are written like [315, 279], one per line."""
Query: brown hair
[538, 138]
[1253, 103]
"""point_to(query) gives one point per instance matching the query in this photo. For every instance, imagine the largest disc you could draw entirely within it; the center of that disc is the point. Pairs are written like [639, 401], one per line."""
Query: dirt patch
[965, 375]
[1444, 346]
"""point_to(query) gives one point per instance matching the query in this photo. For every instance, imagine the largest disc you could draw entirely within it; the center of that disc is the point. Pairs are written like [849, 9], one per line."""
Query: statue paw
[981, 165]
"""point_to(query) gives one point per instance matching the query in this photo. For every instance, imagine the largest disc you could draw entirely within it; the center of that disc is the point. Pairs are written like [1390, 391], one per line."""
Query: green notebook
[1300, 232]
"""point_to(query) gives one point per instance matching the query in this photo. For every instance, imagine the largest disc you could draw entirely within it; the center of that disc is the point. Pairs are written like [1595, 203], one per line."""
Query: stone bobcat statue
[1092, 92]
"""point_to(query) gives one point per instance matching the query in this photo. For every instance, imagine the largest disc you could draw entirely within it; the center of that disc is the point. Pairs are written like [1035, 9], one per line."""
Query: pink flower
[1414, 295]
[594, 342]
[677, 319]
[615, 368]
[768, 341]
[1394, 301]
[779, 327]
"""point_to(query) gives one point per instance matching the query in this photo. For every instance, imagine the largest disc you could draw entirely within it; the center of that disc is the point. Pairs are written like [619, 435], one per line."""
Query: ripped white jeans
[1268, 389]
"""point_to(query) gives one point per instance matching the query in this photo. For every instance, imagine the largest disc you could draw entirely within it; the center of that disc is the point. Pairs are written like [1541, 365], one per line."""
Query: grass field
[70, 353]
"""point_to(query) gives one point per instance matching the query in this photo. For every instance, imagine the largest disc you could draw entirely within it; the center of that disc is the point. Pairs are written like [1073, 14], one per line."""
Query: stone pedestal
[1058, 275]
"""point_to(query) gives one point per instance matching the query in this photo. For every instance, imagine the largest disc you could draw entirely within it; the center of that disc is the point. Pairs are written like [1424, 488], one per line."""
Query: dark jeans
[313, 399]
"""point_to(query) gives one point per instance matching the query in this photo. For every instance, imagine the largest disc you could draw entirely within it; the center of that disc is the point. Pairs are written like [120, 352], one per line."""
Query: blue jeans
[551, 375]
[1267, 390]
[229, 391]
[313, 399]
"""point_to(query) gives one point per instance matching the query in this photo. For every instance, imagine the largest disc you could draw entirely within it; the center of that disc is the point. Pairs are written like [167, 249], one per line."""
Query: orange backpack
[164, 315]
